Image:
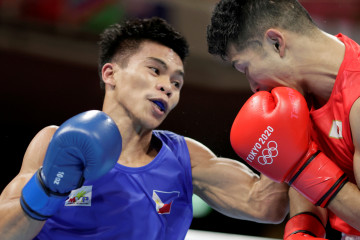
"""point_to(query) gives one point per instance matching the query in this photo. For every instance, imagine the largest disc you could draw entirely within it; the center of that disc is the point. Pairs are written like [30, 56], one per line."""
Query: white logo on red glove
[258, 145]
[268, 153]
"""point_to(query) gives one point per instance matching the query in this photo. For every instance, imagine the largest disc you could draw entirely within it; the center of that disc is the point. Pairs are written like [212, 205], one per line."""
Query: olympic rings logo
[269, 153]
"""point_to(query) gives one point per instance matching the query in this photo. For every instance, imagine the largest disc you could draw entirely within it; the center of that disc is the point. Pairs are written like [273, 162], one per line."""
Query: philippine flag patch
[164, 200]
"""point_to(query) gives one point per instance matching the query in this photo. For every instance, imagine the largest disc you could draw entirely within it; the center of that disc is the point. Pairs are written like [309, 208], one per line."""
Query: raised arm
[14, 223]
[86, 146]
[233, 189]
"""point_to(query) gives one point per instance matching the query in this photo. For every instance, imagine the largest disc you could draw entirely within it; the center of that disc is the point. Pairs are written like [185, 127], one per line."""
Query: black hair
[238, 21]
[124, 39]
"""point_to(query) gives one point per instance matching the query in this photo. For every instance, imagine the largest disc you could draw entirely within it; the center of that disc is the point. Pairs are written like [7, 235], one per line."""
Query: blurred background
[48, 64]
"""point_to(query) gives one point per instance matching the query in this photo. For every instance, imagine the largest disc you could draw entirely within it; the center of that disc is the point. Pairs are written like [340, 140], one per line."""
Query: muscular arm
[346, 204]
[233, 189]
[14, 223]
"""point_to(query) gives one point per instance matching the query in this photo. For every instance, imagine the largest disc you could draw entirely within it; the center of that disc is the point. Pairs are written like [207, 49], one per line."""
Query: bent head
[250, 35]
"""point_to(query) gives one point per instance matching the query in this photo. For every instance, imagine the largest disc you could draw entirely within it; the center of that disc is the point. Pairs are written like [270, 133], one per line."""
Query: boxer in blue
[75, 184]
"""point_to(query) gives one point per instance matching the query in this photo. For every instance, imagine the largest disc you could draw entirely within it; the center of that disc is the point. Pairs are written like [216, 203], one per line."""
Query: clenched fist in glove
[272, 134]
[86, 146]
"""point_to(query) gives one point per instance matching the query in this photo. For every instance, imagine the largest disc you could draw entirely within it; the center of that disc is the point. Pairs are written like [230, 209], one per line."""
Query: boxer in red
[276, 43]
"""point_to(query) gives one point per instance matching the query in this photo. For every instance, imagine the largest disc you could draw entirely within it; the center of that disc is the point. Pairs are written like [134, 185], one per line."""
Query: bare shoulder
[199, 153]
[36, 150]
[205, 164]
[32, 161]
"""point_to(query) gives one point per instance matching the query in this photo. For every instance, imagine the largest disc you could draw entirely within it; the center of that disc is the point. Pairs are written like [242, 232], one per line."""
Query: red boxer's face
[263, 67]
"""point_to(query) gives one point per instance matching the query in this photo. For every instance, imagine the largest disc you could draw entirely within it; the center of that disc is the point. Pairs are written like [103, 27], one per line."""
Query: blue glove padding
[85, 146]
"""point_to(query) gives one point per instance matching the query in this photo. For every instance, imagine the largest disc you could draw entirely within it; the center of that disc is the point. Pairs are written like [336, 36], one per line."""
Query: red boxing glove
[303, 226]
[272, 133]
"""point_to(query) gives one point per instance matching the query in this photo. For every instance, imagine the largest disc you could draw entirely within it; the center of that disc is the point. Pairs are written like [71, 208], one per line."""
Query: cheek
[134, 81]
[262, 72]
[174, 100]
[139, 80]
[131, 89]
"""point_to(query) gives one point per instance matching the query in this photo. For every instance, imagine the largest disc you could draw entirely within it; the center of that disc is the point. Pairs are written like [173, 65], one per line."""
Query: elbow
[276, 212]
[273, 216]
[278, 216]
[273, 200]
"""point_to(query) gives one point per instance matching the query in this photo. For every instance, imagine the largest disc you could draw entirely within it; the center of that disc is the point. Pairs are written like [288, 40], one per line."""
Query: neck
[136, 141]
[320, 59]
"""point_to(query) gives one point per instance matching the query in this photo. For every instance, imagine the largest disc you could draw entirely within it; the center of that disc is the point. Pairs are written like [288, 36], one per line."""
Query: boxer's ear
[107, 74]
[277, 39]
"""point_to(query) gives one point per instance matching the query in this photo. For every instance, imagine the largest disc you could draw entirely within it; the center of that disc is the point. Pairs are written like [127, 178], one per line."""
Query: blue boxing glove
[86, 146]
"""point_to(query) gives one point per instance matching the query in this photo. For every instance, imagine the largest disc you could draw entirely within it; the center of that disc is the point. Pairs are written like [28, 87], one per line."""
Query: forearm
[15, 224]
[346, 205]
[299, 204]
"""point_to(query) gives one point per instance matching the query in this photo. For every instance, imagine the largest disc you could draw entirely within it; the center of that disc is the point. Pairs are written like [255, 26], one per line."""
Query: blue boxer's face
[148, 88]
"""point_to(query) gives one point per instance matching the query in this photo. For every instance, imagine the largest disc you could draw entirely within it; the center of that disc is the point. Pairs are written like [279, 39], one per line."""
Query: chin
[153, 124]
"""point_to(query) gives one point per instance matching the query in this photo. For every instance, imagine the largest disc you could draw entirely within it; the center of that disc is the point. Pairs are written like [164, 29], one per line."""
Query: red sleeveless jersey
[331, 126]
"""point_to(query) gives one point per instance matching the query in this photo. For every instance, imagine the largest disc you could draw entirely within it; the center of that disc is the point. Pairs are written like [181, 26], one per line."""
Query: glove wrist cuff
[38, 201]
[307, 223]
[319, 180]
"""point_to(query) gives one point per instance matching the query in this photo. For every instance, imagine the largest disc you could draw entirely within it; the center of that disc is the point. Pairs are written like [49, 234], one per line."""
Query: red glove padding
[272, 133]
[304, 226]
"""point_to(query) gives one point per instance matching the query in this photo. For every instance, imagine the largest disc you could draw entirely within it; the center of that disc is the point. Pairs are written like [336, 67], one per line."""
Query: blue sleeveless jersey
[149, 202]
